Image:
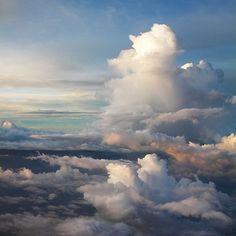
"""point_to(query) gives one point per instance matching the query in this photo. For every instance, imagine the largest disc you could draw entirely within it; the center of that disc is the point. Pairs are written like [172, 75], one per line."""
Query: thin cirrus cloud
[31, 80]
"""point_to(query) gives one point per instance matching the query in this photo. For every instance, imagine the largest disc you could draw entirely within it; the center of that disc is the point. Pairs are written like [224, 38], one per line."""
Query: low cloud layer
[188, 158]
[127, 198]
[149, 188]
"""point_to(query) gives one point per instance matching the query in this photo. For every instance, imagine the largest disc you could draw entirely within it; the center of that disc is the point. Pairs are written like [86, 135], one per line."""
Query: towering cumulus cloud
[147, 70]
[157, 105]
[153, 93]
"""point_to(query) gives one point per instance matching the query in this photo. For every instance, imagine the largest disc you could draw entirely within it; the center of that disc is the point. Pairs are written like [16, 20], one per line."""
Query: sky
[54, 53]
[117, 118]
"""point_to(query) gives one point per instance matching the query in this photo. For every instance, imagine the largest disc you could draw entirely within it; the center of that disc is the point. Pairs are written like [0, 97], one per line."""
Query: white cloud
[91, 227]
[26, 173]
[26, 178]
[232, 100]
[144, 68]
[228, 143]
[15, 137]
[188, 114]
[131, 198]
[152, 89]
[195, 208]
[189, 157]
[79, 162]
[131, 191]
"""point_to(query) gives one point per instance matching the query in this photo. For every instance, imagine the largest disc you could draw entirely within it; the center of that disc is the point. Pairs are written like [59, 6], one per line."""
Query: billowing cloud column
[150, 88]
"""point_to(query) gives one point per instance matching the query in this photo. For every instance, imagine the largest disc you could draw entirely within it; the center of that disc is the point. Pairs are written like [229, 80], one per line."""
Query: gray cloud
[14, 137]
[134, 192]
[128, 196]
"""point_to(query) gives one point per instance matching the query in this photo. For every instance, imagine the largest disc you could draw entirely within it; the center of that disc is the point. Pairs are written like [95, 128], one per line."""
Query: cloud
[232, 100]
[26, 173]
[25, 178]
[76, 170]
[27, 224]
[134, 192]
[194, 207]
[151, 90]
[150, 94]
[91, 227]
[123, 140]
[202, 76]
[192, 114]
[15, 137]
[144, 68]
[228, 143]
[129, 198]
[151, 100]
[10, 132]
[88, 163]
[206, 159]
[152, 80]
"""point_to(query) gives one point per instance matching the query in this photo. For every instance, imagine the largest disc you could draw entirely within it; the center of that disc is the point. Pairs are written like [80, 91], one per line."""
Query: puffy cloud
[79, 162]
[144, 68]
[15, 137]
[152, 92]
[228, 143]
[158, 44]
[27, 224]
[5, 173]
[139, 139]
[188, 114]
[232, 100]
[25, 178]
[151, 81]
[74, 170]
[10, 132]
[195, 208]
[131, 198]
[122, 139]
[91, 227]
[188, 157]
[202, 76]
[151, 95]
[26, 173]
[133, 192]
[207, 159]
